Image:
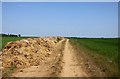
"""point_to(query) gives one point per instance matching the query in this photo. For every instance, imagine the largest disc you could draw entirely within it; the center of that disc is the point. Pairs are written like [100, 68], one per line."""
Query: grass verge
[5, 39]
[107, 47]
[103, 53]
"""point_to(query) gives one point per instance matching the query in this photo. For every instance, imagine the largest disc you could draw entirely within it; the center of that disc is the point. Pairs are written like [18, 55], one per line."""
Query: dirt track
[64, 61]
[70, 67]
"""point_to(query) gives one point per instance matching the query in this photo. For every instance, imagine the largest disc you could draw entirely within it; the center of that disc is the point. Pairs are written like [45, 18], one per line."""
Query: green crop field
[5, 39]
[107, 47]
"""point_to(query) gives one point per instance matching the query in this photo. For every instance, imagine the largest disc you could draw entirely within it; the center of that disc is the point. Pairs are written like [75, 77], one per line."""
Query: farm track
[63, 62]
[70, 67]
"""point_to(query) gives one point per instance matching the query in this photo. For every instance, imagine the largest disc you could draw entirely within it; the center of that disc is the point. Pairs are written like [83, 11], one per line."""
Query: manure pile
[28, 52]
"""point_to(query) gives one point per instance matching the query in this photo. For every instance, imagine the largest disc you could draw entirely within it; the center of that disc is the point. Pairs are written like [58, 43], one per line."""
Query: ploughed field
[59, 57]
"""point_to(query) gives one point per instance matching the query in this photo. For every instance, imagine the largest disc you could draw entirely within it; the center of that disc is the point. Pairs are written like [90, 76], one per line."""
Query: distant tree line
[13, 35]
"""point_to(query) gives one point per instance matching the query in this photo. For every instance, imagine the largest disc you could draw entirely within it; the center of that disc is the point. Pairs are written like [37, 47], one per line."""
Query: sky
[59, 0]
[0, 17]
[71, 19]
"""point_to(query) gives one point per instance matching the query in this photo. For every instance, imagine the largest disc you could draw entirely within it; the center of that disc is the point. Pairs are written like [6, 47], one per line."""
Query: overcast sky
[81, 19]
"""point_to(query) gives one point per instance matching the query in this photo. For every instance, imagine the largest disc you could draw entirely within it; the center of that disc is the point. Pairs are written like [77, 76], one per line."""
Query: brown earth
[48, 68]
[70, 67]
[55, 59]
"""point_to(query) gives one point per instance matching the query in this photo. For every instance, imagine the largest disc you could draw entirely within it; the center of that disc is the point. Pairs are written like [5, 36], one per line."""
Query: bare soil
[64, 61]
[70, 63]
[50, 68]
